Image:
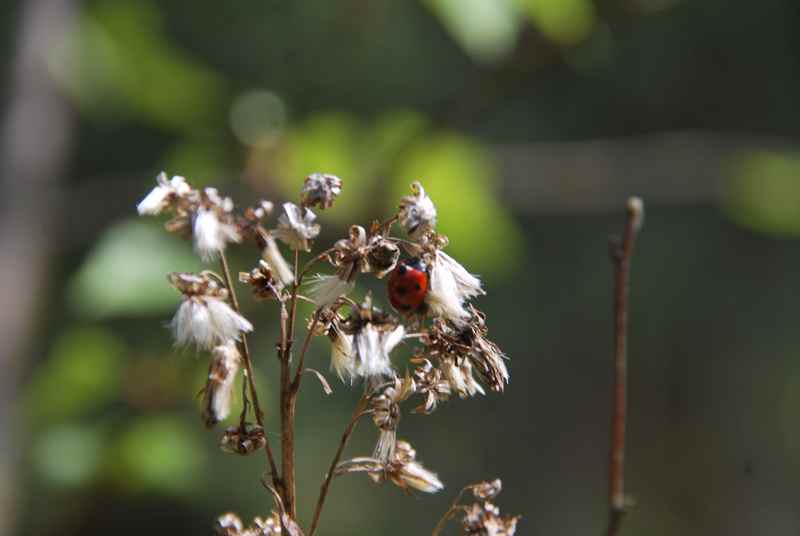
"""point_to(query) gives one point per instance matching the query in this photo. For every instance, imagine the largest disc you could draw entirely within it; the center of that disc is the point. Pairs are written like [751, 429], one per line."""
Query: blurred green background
[529, 122]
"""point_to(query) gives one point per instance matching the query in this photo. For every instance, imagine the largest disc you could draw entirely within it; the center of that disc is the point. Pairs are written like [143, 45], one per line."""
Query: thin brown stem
[288, 401]
[621, 254]
[298, 375]
[455, 507]
[348, 431]
[245, 351]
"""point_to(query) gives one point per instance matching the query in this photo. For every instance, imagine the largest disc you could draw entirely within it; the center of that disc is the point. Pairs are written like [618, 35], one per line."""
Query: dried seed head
[382, 256]
[271, 253]
[320, 189]
[203, 317]
[450, 286]
[407, 472]
[231, 525]
[459, 374]
[214, 225]
[245, 441]
[487, 490]
[265, 286]
[430, 382]
[296, 227]
[403, 470]
[164, 195]
[488, 358]
[417, 212]
[218, 392]
[228, 525]
[484, 519]
[386, 415]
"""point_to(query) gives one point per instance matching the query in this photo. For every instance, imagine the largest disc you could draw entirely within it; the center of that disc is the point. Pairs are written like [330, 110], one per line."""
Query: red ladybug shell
[408, 285]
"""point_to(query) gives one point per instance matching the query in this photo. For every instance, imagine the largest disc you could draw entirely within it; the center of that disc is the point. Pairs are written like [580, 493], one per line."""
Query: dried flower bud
[320, 189]
[431, 383]
[163, 195]
[265, 286]
[382, 256]
[296, 227]
[218, 393]
[403, 470]
[386, 415]
[485, 519]
[204, 318]
[231, 525]
[228, 525]
[417, 212]
[235, 440]
[487, 490]
[487, 357]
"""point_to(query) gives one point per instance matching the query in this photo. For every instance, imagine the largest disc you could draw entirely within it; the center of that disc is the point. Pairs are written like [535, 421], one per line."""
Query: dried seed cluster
[446, 335]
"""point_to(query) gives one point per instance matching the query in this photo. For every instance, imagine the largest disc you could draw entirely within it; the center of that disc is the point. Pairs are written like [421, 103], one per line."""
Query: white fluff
[156, 201]
[342, 355]
[451, 285]
[211, 235]
[207, 322]
[461, 379]
[272, 254]
[326, 289]
[468, 285]
[373, 348]
[221, 380]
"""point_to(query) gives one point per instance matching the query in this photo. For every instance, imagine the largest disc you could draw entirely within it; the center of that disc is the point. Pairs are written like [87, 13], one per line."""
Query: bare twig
[621, 258]
[245, 350]
[323, 492]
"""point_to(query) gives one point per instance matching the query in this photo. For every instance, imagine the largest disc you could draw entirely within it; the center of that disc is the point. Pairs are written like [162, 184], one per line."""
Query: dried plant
[432, 293]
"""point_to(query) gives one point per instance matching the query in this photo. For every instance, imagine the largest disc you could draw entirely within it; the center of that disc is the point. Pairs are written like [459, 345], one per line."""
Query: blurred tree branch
[33, 152]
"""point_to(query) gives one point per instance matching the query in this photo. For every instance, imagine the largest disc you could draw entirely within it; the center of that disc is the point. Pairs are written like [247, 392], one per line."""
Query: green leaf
[487, 31]
[161, 454]
[763, 193]
[82, 373]
[126, 272]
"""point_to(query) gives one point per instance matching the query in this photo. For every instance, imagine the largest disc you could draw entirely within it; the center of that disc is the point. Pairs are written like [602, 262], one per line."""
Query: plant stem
[455, 507]
[621, 254]
[323, 492]
[288, 401]
[301, 361]
[245, 351]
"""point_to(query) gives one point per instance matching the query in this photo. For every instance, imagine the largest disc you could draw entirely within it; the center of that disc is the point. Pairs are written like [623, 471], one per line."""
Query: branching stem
[245, 351]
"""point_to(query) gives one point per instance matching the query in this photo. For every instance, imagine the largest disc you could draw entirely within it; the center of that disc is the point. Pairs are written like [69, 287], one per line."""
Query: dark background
[530, 122]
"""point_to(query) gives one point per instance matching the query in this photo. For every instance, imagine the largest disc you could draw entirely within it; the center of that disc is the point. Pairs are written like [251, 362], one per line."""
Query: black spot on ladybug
[417, 287]
[405, 307]
[401, 290]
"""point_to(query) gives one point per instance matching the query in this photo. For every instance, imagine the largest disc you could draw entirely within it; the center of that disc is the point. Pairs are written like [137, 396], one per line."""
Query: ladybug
[408, 286]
